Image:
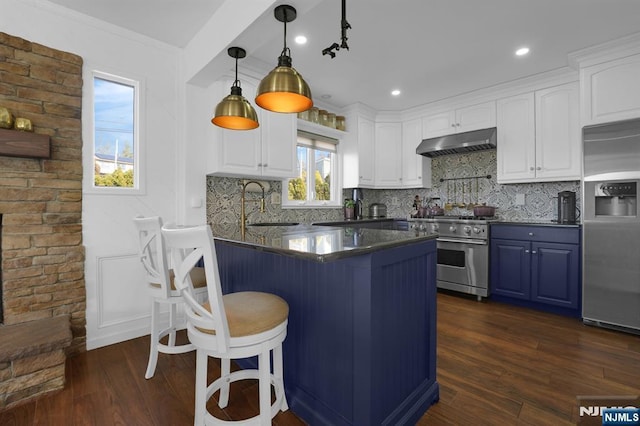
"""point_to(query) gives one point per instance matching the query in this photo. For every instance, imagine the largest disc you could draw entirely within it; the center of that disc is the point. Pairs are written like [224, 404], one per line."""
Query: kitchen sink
[274, 224]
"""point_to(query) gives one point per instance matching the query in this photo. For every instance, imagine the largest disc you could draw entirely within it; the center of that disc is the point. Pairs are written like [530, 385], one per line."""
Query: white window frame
[138, 135]
[336, 179]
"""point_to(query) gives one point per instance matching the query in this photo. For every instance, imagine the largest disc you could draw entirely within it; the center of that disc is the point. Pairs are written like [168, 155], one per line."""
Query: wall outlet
[519, 199]
[276, 198]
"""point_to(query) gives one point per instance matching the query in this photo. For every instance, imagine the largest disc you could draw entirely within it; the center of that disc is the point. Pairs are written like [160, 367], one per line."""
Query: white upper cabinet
[611, 91]
[279, 138]
[516, 138]
[388, 155]
[558, 139]
[268, 151]
[539, 136]
[465, 119]
[358, 152]
[416, 169]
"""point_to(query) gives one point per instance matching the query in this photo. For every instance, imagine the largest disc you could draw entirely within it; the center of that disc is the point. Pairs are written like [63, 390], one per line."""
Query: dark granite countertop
[319, 243]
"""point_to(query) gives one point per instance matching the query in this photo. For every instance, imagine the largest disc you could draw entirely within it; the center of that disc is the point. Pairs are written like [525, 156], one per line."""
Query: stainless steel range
[463, 252]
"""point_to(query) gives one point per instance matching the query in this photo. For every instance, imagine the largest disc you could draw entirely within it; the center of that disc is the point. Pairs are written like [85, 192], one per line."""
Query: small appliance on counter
[357, 198]
[567, 207]
[377, 211]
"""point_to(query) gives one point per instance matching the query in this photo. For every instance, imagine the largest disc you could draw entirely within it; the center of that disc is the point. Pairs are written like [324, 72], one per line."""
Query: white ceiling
[429, 49]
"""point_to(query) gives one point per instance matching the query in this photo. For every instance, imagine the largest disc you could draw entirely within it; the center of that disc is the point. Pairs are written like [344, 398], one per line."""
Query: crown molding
[605, 52]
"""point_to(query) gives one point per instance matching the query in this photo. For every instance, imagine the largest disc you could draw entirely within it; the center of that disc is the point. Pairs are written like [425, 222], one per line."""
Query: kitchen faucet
[243, 200]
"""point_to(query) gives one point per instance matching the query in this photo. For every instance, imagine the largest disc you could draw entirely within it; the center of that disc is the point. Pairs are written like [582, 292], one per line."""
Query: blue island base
[361, 342]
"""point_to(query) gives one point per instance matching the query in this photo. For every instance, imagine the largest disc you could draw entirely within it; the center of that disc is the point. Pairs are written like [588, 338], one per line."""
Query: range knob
[476, 230]
[452, 228]
[467, 230]
[434, 227]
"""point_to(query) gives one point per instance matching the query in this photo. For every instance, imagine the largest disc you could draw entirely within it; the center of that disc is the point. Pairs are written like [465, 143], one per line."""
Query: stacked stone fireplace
[43, 288]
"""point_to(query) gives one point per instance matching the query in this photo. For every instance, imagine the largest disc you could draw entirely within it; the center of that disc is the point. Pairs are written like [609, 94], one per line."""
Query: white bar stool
[160, 283]
[233, 326]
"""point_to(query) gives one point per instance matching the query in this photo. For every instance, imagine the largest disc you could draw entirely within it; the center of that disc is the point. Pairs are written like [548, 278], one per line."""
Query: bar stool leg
[225, 371]
[153, 348]
[172, 324]
[278, 373]
[201, 387]
[264, 374]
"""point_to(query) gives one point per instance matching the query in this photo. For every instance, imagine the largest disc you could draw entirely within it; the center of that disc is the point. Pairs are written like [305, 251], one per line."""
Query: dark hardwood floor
[497, 365]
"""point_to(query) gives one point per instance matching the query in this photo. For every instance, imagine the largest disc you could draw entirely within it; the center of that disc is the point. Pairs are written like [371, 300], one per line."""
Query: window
[318, 180]
[115, 142]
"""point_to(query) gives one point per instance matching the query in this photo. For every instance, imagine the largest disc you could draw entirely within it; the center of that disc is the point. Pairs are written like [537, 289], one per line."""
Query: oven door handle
[451, 240]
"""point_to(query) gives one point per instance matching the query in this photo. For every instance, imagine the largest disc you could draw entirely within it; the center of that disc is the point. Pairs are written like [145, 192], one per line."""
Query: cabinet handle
[533, 252]
[453, 124]
[538, 168]
[360, 177]
[531, 234]
[526, 251]
[265, 165]
[457, 124]
[419, 177]
[531, 168]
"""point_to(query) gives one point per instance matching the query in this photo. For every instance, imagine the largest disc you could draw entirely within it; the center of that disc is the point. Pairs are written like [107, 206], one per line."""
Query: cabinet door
[240, 152]
[366, 143]
[279, 136]
[440, 124]
[388, 155]
[416, 169]
[611, 91]
[558, 143]
[555, 274]
[475, 117]
[510, 267]
[516, 138]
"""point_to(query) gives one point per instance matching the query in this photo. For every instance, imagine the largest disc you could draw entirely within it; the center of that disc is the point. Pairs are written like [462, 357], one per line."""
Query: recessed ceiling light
[325, 96]
[522, 51]
[395, 92]
[301, 39]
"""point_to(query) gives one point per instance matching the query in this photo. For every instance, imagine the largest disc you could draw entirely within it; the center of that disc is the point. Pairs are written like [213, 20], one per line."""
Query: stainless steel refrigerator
[611, 226]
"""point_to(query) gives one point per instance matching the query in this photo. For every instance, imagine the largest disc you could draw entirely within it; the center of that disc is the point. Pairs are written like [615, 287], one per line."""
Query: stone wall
[41, 199]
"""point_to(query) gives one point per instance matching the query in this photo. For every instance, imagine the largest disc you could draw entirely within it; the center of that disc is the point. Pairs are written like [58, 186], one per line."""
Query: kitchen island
[361, 342]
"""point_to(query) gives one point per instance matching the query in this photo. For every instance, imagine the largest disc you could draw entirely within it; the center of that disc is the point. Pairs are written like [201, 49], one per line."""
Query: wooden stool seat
[251, 312]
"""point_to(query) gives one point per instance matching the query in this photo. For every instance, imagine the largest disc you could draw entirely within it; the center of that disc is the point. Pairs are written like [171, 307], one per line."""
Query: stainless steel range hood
[477, 140]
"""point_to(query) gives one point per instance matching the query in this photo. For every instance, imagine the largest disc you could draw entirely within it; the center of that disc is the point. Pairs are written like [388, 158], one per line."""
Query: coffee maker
[357, 198]
[567, 207]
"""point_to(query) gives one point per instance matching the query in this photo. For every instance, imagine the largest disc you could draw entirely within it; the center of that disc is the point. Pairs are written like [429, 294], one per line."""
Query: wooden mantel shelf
[15, 143]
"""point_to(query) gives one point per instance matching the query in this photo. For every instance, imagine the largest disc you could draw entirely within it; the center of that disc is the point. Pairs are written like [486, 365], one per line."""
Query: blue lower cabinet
[537, 266]
[510, 268]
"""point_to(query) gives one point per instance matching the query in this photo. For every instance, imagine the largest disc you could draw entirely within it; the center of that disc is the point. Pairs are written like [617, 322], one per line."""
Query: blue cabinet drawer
[553, 234]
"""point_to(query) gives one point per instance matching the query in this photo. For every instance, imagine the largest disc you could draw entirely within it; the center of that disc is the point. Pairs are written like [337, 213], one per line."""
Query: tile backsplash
[540, 199]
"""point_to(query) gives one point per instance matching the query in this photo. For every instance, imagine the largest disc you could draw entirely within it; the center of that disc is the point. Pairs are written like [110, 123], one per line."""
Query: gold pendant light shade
[284, 89]
[234, 111]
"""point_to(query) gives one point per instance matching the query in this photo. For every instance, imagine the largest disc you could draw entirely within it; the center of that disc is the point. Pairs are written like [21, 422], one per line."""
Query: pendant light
[284, 89]
[234, 111]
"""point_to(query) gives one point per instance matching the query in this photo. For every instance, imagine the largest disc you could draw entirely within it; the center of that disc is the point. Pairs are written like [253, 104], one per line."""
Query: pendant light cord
[236, 82]
[285, 56]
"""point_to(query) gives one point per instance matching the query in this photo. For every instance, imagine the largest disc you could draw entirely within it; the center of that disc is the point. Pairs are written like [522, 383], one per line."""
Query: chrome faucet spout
[243, 201]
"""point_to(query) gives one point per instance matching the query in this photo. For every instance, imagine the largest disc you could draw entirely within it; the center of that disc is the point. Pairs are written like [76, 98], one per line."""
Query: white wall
[117, 304]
